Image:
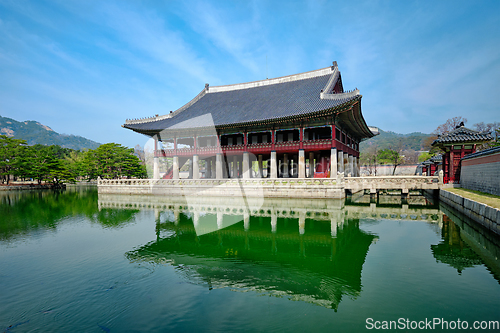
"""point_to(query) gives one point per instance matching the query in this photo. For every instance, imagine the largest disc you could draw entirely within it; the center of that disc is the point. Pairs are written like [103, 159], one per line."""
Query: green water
[72, 261]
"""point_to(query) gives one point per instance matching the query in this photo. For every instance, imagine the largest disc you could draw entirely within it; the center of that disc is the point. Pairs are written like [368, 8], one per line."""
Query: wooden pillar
[333, 161]
[452, 171]
[302, 164]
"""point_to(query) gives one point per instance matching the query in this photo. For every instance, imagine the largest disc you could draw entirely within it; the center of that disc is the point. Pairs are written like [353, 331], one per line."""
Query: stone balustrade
[268, 188]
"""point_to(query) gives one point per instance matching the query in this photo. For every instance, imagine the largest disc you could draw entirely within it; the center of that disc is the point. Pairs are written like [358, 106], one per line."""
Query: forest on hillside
[34, 133]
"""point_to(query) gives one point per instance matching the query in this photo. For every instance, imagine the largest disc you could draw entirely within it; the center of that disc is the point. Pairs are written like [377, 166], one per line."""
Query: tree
[10, 152]
[389, 156]
[491, 128]
[449, 125]
[410, 156]
[369, 158]
[424, 156]
[112, 160]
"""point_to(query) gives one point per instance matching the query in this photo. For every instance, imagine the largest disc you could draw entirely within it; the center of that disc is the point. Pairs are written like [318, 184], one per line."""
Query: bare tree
[410, 156]
[449, 125]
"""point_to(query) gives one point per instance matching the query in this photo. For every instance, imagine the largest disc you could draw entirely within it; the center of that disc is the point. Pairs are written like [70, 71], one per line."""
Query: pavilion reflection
[310, 250]
[264, 254]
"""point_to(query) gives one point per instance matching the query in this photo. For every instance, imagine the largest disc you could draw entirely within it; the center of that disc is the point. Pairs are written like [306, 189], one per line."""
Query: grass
[485, 198]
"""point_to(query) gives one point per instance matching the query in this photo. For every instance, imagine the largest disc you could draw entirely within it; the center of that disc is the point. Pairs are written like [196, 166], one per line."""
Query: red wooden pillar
[333, 136]
[451, 168]
[301, 137]
[273, 139]
[245, 141]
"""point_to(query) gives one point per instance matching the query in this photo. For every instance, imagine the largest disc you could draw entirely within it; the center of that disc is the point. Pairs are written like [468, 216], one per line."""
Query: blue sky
[83, 67]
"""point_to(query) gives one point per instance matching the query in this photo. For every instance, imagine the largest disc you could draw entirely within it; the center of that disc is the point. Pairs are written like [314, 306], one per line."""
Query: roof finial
[334, 64]
[206, 86]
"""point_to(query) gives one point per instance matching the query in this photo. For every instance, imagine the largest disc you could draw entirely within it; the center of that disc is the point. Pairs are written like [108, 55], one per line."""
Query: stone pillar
[246, 220]
[235, 167]
[351, 165]
[286, 174]
[190, 168]
[220, 217]
[358, 172]
[208, 168]
[175, 166]
[260, 166]
[302, 164]
[246, 166]
[333, 226]
[196, 167]
[218, 167]
[341, 161]
[311, 165]
[274, 167]
[302, 223]
[333, 163]
[274, 221]
[156, 163]
[196, 218]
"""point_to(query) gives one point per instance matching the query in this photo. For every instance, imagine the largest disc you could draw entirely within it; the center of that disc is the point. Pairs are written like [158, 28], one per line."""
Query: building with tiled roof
[265, 128]
[432, 165]
[456, 145]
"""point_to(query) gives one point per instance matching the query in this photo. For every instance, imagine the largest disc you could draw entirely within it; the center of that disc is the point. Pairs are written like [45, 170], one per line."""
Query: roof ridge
[281, 79]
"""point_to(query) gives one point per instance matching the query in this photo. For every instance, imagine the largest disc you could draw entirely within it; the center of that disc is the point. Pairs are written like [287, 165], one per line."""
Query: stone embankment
[485, 215]
[24, 187]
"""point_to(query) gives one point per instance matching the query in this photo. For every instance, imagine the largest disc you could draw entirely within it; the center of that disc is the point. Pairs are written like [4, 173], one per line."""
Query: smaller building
[431, 166]
[456, 145]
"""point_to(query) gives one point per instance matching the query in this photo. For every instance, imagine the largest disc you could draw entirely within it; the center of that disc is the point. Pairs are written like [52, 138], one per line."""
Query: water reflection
[309, 250]
[466, 243]
[311, 266]
[25, 212]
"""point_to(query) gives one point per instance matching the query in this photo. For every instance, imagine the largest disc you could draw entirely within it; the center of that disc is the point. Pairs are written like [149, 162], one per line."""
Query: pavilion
[455, 145]
[302, 125]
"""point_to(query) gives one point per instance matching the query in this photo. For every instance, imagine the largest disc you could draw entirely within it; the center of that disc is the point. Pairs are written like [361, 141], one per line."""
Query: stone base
[261, 188]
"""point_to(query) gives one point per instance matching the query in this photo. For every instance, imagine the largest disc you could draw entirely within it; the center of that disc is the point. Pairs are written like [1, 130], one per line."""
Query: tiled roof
[437, 158]
[494, 150]
[258, 101]
[462, 134]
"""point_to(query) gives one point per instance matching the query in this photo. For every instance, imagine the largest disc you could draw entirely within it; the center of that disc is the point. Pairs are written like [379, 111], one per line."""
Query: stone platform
[313, 188]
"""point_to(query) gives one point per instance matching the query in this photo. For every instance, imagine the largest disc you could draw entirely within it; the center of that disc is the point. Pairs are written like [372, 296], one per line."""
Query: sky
[84, 67]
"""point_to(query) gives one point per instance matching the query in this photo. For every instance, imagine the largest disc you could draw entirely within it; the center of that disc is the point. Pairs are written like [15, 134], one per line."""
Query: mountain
[391, 140]
[35, 133]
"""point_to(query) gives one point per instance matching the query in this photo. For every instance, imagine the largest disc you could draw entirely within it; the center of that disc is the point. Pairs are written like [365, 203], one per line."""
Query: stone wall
[481, 171]
[386, 170]
[487, 216]
[257, 188]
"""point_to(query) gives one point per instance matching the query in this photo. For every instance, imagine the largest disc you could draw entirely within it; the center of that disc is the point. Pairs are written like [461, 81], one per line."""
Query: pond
[76, 261]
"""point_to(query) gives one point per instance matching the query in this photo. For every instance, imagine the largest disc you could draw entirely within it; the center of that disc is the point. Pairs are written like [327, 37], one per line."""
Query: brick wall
[481, 171]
